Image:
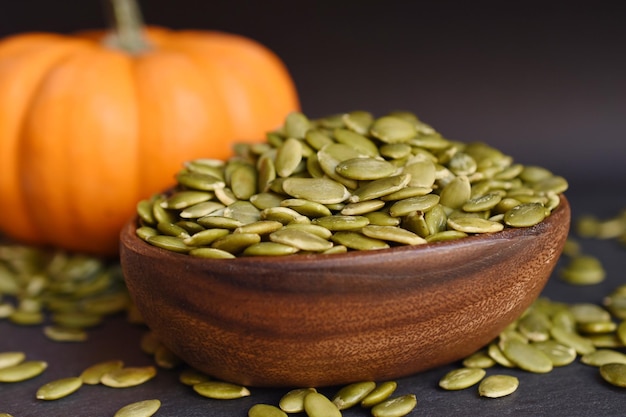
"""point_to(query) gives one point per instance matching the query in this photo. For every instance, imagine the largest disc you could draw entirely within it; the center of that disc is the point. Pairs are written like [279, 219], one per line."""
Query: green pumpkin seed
[595, 327]
[318, 405]
[358, 241]
[288, 157]
[445, 236]
[614, 374]
[27, 318]
[265, 410]
[392, 234]
[356, 141]
[525, 215]
[11, 358]
[527, 357]
[379, 394]
[603, 356]
[59, 388]
[482, 203]
[93, 374]
[359, 121]
[300, 239]
[380, 218]
[474, 225]
[559, 355]
[183, 199]
[379, 188]
[422, 173]
[495, 353]
[496, 386]
[535, 326]
[201, 209]
[461, 378]
[296, 125]
[270, 249]
[579, 343]
[341, 223]
[589, 313]
[395, 407]
[583, 270]
[363, 207]
[409, 205]
[22, 371]
[365, 169]
[395, 150]
[456, 193]
[390, 129]
[320, 190]
[221, 390]
[307, 208]
[145, 408]
[65, 334]
[201, 182]
[128, 376]
[318, 139]
[352, 394]
[170, 243]
[479, 359]
[293, 401]
[191, 377]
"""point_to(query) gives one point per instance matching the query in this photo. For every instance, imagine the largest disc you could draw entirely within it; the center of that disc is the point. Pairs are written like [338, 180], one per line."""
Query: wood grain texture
[311, 320]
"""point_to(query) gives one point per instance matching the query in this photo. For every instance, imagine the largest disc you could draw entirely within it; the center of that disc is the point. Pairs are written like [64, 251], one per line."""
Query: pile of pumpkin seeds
[342, 183]
[548, 335]
[68, 293]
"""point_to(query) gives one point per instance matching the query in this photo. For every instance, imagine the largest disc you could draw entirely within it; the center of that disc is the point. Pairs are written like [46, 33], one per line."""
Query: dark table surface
[574, 390]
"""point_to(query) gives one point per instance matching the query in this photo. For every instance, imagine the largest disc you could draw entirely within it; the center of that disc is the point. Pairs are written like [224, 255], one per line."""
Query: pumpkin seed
[300, 239]
[293, 401]
[614, 374]
[461, 378]
[583, 270]
[191, 377]
[236, 243]
[359, 121]
[559, 355]
[183, 199]
[379, 188]
[579, 343]
[93, 374]
[474, 225]
[525, 215]
[358, 241]
[379, 394]
[22, 371]
[296, 125]
[409, 205]
[589, 313]
[496, 386]
[59, 388]
[392, 234]
[220, 390]
[603, 356]
[165, 358]
[65, 334]
[363, 207]
[341, 223]
[320, 190]
[352, 394]
[318, 405]
[145, 408]
[594, 327]
[365, 169]
[128, 376]
[11, 358]
[356, 141]
[527, 357]
[307, 208]
[390, 129]
[395, 407]
[265, 410]
[479, 359]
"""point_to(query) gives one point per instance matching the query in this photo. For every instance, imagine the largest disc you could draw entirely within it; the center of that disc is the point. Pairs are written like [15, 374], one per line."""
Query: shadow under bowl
[319, 320]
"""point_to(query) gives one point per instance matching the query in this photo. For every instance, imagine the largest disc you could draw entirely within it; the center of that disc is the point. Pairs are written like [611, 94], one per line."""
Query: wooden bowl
[319, 320]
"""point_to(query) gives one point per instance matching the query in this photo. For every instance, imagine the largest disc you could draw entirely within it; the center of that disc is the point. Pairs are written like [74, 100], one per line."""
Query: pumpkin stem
[127, 26]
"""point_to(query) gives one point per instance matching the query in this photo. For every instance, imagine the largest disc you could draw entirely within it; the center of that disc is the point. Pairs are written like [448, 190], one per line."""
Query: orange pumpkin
[87, 130]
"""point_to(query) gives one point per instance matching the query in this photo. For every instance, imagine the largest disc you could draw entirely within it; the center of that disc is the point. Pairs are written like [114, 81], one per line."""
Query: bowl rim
[130, 240]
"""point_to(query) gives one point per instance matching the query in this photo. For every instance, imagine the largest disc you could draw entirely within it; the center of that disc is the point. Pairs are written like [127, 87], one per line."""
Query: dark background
[543, 81]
